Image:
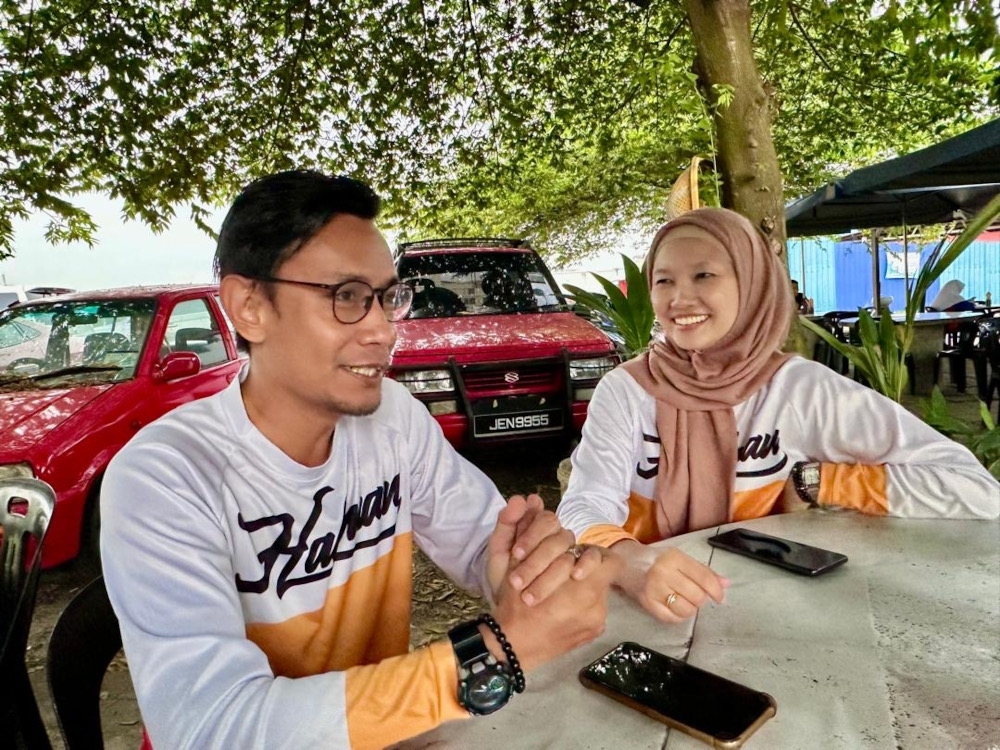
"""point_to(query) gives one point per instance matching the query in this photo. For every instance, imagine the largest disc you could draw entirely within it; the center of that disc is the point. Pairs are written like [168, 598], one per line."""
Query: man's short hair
[274, 216]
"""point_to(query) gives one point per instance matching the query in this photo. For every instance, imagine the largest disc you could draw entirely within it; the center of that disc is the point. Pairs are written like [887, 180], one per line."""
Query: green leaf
[631, 314]
[984, 412]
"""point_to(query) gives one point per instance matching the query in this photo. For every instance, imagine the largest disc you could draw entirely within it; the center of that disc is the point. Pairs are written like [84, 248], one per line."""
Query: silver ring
[577, 551]
[672, 598]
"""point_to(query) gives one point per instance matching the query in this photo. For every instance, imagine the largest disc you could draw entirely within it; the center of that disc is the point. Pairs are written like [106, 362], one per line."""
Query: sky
[126, 253]
[129, 253]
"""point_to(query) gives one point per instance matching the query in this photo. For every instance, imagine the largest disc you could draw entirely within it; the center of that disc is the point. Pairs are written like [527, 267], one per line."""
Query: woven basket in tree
[684, 192]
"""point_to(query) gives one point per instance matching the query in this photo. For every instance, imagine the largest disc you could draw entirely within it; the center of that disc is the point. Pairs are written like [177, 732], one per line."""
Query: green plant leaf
[984, 412]
[631, 315]
[935, 413]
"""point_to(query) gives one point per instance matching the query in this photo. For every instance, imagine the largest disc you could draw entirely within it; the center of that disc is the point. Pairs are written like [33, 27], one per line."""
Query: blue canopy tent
[935, 185]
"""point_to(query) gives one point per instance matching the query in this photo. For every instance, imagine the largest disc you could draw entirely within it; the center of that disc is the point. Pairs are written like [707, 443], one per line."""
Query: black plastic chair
[25, 509]
[989, 340]
[960, 345]
[823, 352]
[84, 641]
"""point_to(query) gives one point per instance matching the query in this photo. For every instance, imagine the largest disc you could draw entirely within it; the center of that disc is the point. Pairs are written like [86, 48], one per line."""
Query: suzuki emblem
[511, 377]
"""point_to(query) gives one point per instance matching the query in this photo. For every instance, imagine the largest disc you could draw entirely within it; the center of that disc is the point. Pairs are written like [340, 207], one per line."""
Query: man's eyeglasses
[353, 299]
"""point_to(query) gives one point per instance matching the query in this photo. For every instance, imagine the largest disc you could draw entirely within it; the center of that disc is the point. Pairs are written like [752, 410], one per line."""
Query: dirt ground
[437, 604]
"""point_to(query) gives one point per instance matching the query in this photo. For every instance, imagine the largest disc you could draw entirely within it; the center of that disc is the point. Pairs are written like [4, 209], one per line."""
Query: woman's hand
[670, 585]
[536, 555]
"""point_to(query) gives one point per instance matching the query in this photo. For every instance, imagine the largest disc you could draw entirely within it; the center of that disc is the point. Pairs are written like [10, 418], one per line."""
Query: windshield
[83, 340]
[479, 283]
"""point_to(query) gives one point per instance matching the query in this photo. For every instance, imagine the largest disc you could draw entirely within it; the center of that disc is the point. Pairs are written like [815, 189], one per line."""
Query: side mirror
[175, 366]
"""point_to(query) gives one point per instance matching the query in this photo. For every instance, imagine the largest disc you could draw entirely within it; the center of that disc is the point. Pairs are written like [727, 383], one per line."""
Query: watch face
[810, 476]
[487, 690]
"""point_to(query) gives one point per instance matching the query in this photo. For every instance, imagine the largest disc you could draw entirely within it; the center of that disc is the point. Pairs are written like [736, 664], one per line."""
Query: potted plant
[631, 314]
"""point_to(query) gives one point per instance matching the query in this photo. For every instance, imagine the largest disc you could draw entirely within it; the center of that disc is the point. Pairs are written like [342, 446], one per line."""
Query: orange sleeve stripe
[854, 486]
[756, 503]
[604, 535]
[641, 522]
[402, 697]
[640, 525]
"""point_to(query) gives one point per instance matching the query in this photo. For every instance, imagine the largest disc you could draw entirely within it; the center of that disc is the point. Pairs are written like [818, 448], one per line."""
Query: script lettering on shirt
[323, 551]
[653, 461]
[759, 447]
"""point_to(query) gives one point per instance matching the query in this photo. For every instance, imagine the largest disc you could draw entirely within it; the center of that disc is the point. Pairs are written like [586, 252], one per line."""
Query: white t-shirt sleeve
[840, 421]
[603, 463]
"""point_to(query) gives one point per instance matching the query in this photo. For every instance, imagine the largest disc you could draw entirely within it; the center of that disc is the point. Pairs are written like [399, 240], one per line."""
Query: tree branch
[290, 78]
[490, 108]
[808, 39]
[819, 55]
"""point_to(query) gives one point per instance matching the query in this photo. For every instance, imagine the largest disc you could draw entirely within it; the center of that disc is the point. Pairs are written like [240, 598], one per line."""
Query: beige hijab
[695, 391]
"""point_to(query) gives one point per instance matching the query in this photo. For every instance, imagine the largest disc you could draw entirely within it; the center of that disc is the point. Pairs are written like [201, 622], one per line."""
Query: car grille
[547, 377]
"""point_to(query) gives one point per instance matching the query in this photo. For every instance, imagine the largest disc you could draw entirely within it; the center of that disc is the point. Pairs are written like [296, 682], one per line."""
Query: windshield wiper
[75, 370]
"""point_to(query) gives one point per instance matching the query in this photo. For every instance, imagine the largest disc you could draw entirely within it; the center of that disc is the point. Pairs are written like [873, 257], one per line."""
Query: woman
[716, 424]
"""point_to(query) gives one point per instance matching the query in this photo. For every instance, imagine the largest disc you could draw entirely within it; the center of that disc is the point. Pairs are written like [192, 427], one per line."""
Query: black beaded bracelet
[512, 662]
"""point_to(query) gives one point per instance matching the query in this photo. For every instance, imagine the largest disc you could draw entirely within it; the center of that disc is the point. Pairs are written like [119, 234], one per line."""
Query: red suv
[81, 373]
[491, 345]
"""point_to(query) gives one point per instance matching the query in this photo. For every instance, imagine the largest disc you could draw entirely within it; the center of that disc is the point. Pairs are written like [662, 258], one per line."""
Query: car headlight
[11, 471]
[591, 369]
[426, 381]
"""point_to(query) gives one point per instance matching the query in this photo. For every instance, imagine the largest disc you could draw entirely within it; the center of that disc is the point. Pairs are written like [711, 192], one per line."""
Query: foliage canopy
[556, 119]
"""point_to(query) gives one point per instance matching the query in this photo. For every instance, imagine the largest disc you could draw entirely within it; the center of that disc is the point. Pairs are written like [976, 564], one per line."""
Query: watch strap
[468, 644]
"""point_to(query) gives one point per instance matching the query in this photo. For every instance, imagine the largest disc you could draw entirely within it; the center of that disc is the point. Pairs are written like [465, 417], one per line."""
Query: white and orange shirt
[267, 604]
[876, 456]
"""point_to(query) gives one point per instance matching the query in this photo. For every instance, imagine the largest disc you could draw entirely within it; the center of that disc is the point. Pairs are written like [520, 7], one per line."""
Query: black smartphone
[718, 711]
[794, 556]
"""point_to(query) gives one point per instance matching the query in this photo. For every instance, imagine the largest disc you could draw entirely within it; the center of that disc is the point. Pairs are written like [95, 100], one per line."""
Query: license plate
[490, 425]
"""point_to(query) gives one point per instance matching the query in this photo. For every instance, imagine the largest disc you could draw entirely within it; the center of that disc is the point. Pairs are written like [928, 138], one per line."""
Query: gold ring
[672, 598]
[577, 551]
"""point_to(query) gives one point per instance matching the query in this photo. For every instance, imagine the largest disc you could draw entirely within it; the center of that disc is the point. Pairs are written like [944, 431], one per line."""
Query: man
[802, 303]
[257, 543]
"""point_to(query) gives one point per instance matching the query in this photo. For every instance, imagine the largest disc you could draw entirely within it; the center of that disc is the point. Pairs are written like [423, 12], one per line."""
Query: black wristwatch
[805, 479]
[484, 684]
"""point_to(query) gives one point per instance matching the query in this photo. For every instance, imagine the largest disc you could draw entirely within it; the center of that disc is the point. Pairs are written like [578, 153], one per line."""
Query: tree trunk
[747, 160]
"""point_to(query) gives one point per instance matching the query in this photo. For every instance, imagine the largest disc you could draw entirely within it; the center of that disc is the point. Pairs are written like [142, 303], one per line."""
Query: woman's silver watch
[805, 479]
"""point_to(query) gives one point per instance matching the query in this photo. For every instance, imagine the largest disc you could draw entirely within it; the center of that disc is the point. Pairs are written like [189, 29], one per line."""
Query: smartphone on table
[794, 556]
[711, 708]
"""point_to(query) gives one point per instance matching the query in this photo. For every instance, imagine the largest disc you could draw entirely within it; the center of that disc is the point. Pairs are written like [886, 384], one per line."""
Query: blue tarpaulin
[838, 275]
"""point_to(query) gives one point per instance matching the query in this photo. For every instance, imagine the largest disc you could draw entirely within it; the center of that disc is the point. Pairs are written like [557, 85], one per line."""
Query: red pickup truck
[490, 344]
[81, 373]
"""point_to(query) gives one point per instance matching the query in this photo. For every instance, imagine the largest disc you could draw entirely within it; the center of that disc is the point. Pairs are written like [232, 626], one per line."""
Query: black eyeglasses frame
[334, 288]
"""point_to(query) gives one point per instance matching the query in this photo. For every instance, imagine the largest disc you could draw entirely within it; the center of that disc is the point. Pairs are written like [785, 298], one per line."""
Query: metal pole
[802, 263]
[906, 266]
[876, 287]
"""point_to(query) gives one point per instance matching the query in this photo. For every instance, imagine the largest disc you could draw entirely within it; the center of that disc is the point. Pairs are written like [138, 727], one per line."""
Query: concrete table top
[899, 647]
